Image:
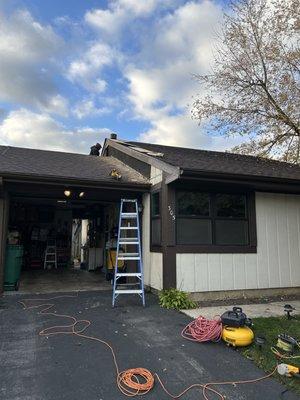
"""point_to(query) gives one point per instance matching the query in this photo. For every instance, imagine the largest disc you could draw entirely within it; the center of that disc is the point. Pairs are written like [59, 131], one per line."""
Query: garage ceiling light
[67, 193]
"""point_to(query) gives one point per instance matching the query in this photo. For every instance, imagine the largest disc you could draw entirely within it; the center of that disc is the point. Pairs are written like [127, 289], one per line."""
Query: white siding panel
[251, 276]
[214, 271]
[153, 272]
[272, 214]
[227, 271]
[240, 273]
[283, 244]
[294, 240]
[155, 175]
[262, 247]
[201, 274]
[276, 264]
[186, 272]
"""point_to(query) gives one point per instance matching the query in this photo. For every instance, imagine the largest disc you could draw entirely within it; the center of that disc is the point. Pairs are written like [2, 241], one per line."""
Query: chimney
[113, 136]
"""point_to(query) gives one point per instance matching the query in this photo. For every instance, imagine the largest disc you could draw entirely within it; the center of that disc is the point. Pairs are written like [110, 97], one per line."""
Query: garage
[59, 216]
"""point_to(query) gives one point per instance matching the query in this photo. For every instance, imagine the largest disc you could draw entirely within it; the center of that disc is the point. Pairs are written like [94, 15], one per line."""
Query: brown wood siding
[138, 165]
[4, 211]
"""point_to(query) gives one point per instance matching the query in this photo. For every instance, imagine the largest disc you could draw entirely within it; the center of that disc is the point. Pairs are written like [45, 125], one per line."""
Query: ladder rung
[138, 274]
[129, 258]
[128, 291]
[128, 227]
[129, 200]
[129, 215]
[128, 254]
[127, 285]
[128, 239]
[127, 242]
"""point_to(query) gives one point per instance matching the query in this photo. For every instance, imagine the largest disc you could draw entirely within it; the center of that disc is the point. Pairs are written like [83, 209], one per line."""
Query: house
[214, 224]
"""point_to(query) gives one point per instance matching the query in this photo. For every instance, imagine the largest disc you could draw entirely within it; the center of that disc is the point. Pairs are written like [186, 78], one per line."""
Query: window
[155, 219]
[212, 219]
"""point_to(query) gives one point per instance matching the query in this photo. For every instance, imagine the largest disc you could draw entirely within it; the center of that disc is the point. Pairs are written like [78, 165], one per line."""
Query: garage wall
[152, 261]
[4, 212]
[276, 264]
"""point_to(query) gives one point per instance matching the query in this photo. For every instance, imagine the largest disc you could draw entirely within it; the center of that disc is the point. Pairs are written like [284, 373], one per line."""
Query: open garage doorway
[66, 245]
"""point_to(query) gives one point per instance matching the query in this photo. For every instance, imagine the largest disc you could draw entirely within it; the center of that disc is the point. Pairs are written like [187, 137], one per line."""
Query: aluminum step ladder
[129, 235]
[50, 254]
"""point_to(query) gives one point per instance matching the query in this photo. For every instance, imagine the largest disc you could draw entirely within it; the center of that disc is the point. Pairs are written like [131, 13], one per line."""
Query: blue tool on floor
[129, 237]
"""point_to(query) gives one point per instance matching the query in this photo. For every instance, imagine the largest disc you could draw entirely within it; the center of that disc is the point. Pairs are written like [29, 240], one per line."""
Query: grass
[270, 328]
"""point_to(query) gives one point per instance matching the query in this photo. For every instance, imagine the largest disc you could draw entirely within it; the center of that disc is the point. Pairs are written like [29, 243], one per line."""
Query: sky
[73, 71]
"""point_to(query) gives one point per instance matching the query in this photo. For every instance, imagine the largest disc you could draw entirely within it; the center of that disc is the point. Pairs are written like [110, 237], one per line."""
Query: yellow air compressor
[236, 331]
[237, 336]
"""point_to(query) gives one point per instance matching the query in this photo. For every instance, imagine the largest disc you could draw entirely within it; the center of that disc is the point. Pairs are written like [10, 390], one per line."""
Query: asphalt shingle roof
[220, 162]
[55, 164]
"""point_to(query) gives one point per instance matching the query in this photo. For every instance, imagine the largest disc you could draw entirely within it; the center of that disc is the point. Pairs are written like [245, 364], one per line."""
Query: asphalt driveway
[70, 368]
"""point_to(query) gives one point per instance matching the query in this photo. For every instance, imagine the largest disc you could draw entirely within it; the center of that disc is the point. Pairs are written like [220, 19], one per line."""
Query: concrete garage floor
[62, 280]
[69, 368]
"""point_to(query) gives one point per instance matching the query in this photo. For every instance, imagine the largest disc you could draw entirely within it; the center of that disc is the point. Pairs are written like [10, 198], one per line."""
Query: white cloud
[28, 51]
[160, 81]
[181, 130]
[87, 108]
[86, 71]
[122, 12]
[28, 129]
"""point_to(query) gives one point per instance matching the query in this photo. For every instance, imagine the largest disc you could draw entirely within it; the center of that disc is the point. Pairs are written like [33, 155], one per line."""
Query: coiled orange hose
[131, 382]
[203, 330]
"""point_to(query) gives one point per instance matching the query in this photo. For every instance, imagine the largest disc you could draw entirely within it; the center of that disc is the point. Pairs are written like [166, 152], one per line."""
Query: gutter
[188, 173]
[66, 181]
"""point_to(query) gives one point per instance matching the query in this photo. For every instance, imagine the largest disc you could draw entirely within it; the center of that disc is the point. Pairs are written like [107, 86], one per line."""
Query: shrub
[176, 299]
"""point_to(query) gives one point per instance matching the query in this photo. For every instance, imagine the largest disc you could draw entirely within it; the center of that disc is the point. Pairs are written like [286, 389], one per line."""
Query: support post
[4, 211]
[168, 235]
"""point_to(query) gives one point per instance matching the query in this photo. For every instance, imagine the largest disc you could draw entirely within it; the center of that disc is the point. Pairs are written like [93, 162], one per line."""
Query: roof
[69, 166]
[194, 160]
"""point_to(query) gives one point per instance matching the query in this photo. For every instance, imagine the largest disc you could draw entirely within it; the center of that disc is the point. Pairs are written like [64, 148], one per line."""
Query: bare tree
[254, 87]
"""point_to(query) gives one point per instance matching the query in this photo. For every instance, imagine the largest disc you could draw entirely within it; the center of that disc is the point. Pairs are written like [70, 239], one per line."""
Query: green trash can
[13, 264]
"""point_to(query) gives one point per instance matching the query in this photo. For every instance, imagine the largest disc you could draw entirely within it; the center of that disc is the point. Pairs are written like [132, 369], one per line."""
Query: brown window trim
[215, 249]
[154, 247]
[238, 249]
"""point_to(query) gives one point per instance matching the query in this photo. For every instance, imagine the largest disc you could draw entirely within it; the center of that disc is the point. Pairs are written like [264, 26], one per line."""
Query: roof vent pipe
[113, 136]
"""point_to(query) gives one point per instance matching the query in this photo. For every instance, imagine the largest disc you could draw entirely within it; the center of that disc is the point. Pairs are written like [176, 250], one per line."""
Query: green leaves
[175, 299]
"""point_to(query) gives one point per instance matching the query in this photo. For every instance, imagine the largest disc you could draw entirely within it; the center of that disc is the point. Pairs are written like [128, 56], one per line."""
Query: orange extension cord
[131, 382]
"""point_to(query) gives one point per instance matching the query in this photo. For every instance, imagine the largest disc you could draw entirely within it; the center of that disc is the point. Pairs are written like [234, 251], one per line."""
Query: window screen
[155, 219]
[194, 231]
[155, 204]
[218, 219]
[231, 205]
[193, 203]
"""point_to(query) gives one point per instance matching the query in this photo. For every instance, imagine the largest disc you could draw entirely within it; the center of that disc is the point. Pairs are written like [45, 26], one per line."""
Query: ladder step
[129, 200]
[129, 258]
[128, 254]
[129, 215]
[129, 239]
[128, 274]
[129, 291]
[128, 227]
[127, 242]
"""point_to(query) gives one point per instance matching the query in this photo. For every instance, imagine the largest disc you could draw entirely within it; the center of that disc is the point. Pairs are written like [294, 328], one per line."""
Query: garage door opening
[66, 245]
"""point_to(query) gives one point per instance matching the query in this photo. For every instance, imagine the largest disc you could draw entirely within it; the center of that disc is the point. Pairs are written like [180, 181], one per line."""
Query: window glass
[193, 204]
[155, 204]
[231, 232]
[231, 205]
[194, 231]
[156, 231]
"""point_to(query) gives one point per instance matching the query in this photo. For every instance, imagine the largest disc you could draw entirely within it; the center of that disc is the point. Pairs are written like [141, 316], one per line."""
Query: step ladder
[50, 254]
[129, 235]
